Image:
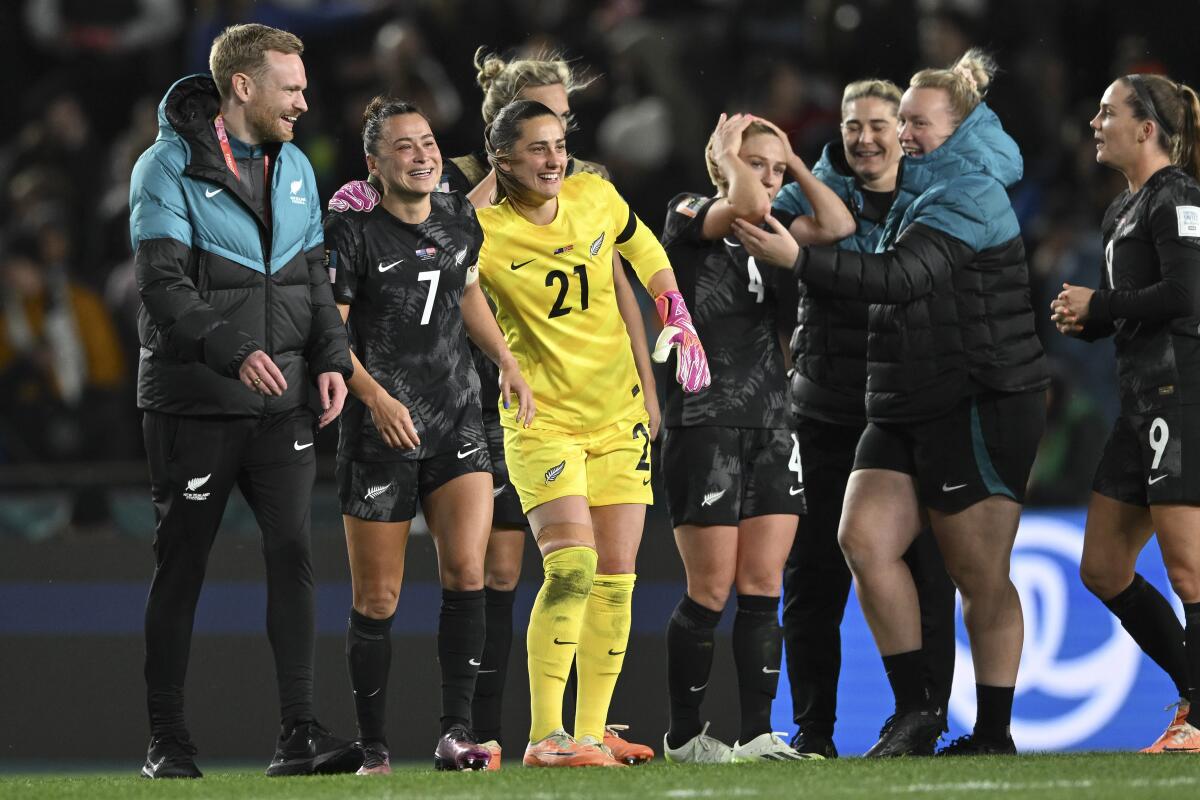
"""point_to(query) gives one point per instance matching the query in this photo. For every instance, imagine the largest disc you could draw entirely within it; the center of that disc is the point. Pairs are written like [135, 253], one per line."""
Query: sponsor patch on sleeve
[1189, 220]
[691, 206]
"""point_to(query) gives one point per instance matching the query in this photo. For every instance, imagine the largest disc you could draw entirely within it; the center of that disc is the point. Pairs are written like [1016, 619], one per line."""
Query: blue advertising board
[1083, 685]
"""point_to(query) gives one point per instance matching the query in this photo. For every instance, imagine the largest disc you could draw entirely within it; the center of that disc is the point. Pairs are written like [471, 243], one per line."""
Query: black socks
[369, 658]
[690, 635]
[493, 667]
[993, 712]
[1147, 616]
[461, 633]
[906, 674]
[757, 652]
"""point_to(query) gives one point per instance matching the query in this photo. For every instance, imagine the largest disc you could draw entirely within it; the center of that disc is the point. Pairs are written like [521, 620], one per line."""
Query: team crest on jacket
[297, 198]
[555, 471]
[596, 245]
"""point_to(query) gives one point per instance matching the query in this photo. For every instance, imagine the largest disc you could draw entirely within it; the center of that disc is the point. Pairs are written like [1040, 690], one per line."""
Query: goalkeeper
[582, 467]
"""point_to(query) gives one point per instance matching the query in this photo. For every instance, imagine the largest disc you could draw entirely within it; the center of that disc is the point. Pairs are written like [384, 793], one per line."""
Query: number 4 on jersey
[755, 286]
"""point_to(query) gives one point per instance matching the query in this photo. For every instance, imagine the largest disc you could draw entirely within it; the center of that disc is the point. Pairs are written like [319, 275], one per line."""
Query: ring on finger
[257, 381]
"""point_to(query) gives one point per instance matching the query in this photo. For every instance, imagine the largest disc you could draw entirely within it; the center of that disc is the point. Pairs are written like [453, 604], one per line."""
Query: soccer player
[551, 81]
[582, 470]
[237, 323]
[1149, 301]
[405, 279]
[829, 354]
[955, 400]
[735, 485]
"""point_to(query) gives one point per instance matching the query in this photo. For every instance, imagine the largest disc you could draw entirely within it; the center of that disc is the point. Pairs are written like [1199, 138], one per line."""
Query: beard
[267, 125]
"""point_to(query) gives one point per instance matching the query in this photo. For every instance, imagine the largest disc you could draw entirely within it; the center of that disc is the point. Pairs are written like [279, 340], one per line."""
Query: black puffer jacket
[217, 278]
[950, 310]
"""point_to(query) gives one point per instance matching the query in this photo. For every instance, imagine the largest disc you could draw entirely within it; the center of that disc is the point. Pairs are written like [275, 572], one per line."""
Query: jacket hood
[185, 115]
[832, 170]
[980, 146]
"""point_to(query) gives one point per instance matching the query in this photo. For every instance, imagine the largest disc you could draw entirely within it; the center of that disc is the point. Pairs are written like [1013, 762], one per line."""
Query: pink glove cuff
[354, 196]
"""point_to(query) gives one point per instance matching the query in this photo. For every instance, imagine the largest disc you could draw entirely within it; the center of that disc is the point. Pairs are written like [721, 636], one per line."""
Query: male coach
[237, 322]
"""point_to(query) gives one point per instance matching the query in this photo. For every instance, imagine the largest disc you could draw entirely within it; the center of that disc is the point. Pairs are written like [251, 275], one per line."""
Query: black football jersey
[733, 303]
[404, 284]
[1150, 292]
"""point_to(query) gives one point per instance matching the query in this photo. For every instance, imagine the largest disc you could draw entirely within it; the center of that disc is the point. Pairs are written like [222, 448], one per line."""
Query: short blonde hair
[755, 128]
[871, 87]
[965, 83]
[243, 48]
[502, 81]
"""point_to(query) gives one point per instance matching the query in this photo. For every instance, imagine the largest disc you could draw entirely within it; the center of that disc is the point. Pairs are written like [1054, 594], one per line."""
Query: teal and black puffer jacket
[949, 284]
[829, 344]
[218, 279]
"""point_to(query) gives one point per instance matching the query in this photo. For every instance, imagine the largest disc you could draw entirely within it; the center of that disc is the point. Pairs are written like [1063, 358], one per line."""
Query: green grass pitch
[1122, 776]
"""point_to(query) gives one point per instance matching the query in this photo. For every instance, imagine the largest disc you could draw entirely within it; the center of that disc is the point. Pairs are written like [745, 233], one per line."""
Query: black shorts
[1151, 458]
[387, 491]
[985, 446]
[720, 476]
[506, 505]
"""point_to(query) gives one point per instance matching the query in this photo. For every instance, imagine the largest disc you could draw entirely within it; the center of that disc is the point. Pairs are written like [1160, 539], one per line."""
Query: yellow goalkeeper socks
[554, 630]
[601, 652]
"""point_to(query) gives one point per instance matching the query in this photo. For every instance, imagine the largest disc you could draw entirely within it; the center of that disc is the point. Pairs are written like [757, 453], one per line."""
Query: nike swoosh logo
[732, 244]
[461, 454]
[611, 653]
[473, 662]
[208, 193]
[486, 671]
[1152, 481]
[372, 694]
[154, 765]
[645, 481]
[699, 688]
[793, 491]
[948, 488]
[514, 265]
[382, 268]
[556, 641]
[496, 492]
[769, 671]
[299, 446]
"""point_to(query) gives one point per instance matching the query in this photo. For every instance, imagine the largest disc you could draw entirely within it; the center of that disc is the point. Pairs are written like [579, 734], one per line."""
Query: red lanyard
[230, 162]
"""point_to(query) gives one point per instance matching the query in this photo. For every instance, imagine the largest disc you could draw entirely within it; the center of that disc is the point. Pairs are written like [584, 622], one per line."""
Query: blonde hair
[871, 87]
[965, 82]
[502, 81]
[1175, 110]
[243, 48]
[755, 128]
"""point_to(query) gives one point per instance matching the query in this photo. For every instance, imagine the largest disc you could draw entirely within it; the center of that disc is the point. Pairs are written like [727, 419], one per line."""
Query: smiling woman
[405, 280]
[954, 403]
[582, 470]
[1149, 301]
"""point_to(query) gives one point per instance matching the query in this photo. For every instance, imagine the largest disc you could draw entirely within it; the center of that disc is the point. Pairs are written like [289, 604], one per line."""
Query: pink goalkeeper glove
[354, 196]
[691, 365]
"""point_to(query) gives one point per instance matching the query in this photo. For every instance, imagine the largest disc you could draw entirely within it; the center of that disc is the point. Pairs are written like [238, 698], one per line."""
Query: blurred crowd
[89, 75]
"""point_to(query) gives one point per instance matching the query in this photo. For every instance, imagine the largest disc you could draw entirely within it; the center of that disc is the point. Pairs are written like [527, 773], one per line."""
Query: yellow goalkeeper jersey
[555, 301]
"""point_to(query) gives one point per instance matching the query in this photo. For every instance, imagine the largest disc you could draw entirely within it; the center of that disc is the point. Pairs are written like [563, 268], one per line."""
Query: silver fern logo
[374, 491]
[190, 492]
[458, 259]
[555, 471]
[596, 245]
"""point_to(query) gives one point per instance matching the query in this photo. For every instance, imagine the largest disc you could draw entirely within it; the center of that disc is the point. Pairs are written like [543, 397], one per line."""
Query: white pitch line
[1018, 786]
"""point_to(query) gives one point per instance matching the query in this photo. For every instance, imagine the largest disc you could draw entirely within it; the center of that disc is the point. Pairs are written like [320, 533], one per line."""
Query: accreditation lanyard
[231, 162]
